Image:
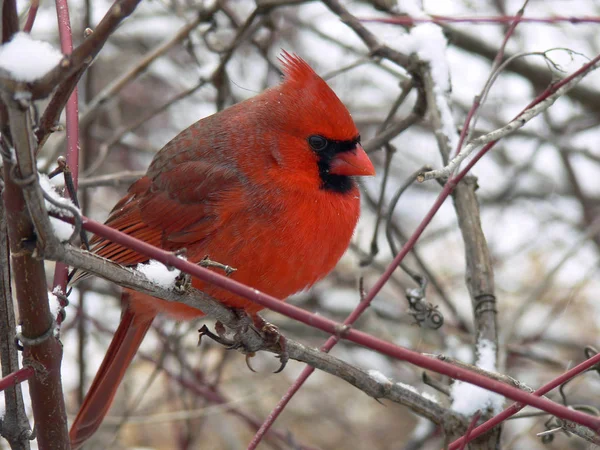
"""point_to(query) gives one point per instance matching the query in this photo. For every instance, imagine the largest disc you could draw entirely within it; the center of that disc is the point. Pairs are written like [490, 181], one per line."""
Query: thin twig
[519, 121]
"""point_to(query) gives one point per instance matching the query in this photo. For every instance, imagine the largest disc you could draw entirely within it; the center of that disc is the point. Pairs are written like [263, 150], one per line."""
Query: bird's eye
[317, 142]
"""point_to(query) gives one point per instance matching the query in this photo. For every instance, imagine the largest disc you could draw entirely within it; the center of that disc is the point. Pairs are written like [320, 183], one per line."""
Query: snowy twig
[497, 66]
[588, 434]
[581, 431]
[467, 399]
[587, 96]
[519, 121]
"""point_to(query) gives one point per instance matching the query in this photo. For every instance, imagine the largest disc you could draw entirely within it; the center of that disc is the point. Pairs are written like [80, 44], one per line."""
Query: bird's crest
[319, 109]
[296, 69]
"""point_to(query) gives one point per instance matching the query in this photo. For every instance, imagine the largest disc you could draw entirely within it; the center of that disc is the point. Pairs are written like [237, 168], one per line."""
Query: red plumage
[252, 188]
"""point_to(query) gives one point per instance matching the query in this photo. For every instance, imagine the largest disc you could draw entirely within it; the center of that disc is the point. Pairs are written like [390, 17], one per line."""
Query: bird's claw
[219, 338]
[248, 356]
[283, 355]
[273, 338]
[183, 282]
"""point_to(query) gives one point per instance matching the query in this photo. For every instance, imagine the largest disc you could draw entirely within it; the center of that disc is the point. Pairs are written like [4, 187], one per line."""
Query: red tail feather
[123, 347]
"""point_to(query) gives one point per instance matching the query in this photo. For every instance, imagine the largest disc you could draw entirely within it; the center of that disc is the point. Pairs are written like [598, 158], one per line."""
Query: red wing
[181, 205]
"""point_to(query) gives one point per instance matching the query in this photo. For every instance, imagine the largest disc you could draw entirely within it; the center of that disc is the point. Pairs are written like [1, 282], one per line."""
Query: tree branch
[519, 121]
[14, 425]
[42, 350]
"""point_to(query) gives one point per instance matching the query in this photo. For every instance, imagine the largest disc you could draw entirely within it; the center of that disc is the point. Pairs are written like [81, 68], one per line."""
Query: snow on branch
[59, 205]
[26, 59]
[467, 399]
[159, 274]
[428, 42]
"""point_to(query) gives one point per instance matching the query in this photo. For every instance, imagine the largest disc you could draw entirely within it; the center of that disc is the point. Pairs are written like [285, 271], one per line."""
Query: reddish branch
[338, 329]
[44, 351]
[72, 114]
[448, 188]
[16, 377]
[499, 20]
[495, 64]
[516, 407]
[356, 336]
[31, 15]
[470, 429]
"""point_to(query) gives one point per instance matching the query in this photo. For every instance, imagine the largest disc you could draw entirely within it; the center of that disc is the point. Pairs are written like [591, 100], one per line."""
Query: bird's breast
[280, 245]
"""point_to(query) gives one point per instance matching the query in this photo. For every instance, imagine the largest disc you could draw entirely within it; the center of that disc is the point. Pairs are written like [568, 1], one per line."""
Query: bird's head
[322, 143]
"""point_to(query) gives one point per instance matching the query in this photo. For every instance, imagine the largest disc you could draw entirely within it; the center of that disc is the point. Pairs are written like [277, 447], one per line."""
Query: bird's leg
[273, 338]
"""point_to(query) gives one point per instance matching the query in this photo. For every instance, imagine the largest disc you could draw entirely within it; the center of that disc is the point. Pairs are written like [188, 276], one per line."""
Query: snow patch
[379, 377]
[430, 397]
[62, 230]
[49, 188]
[159, 274]
[486, 355]
[428, 42]
[27, 59]
[408, 387]
[467, 398]
[55, 306]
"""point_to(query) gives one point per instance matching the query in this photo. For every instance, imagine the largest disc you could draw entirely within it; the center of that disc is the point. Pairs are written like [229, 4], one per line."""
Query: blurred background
[538, 193]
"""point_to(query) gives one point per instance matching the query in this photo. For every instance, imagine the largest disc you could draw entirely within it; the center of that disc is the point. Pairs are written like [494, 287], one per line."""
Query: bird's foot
[235, 343]
[273, 338]
[220, 337]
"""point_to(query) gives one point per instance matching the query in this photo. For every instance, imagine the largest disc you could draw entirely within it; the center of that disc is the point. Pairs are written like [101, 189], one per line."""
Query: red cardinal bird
[264, 186]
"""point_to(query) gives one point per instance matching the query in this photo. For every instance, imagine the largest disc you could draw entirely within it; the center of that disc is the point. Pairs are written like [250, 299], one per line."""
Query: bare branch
[511, 127]
[14, 425]
[42, 350]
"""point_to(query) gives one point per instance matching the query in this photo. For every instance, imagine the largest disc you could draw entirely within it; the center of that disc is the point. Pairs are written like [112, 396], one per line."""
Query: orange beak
[352, 163]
